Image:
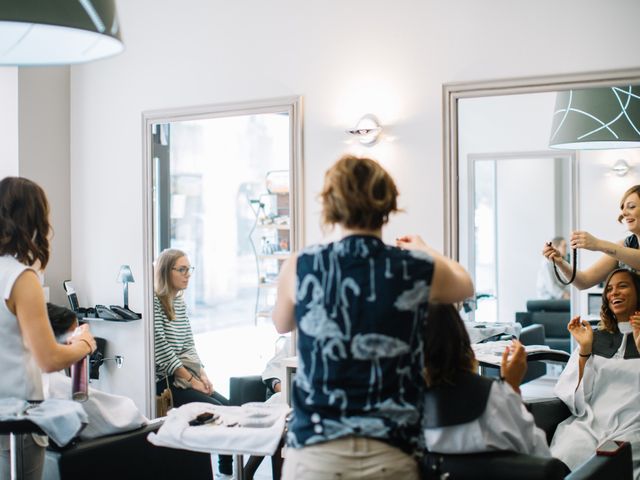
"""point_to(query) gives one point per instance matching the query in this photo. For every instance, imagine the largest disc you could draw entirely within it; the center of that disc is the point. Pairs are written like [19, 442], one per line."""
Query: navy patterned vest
[360, 308]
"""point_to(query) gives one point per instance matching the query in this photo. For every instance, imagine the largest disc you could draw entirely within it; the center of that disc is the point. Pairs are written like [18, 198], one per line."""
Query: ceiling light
[597, 118]
[58, 32]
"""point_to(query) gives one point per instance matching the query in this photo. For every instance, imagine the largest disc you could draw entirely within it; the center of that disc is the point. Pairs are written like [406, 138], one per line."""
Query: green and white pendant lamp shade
[58, 32]
[597, 118]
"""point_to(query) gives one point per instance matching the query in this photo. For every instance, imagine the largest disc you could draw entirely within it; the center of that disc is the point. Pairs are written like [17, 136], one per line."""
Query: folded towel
[252, 429]
[61, 420]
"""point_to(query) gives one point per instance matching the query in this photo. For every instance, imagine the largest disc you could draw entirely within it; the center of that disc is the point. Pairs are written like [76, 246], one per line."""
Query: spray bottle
[80, 377]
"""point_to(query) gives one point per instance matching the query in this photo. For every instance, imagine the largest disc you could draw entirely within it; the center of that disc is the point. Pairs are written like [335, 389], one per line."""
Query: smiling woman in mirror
[622, 254]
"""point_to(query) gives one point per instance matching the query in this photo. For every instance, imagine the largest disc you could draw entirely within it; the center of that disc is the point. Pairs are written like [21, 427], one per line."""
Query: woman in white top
[467, 413]
[27, 343]
[601, 382]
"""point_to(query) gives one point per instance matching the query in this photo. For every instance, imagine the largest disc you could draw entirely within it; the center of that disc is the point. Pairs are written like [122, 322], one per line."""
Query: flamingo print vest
[360, 308]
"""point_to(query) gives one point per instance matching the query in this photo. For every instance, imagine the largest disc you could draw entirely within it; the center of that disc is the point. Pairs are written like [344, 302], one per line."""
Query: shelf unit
[272, 239]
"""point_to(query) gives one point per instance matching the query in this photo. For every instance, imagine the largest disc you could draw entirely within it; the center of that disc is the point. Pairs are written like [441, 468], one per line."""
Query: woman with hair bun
[359, 307]
[27, 342]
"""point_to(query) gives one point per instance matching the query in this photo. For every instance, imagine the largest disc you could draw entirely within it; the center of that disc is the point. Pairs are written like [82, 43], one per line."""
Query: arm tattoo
[611, 251]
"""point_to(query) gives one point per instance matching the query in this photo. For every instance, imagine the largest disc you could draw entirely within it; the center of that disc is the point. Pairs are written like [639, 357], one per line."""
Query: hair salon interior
[212, 128]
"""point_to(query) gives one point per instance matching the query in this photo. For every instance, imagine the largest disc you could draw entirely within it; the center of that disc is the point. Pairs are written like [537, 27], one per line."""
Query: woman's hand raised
[634, 320]
[551, 253]
[582, 332]
[582, 239]
[514, 364]
[411, 242]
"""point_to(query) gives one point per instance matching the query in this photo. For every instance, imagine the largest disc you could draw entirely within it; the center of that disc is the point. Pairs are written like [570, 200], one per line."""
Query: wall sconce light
[58, 32]
[367, 130]
[597, 118]
[621, 167]
[125, 277]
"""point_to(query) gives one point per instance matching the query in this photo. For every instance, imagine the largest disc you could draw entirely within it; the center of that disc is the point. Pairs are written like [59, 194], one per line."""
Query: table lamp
[125, 277]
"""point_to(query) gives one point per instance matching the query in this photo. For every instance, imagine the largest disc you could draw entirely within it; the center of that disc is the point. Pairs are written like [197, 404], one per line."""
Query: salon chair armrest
[618, 466]
[547, 414]
[246, 389]
[510, 465]
[129, 456]
[493, 465]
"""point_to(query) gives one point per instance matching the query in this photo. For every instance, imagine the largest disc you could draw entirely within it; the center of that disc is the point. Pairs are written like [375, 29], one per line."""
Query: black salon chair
[128, 456]
[509, 465]
[530, 335]
[251, 389]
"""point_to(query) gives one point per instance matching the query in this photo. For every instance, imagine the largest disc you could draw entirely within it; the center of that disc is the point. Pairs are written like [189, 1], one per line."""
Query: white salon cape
[505, 425]
[605, 406]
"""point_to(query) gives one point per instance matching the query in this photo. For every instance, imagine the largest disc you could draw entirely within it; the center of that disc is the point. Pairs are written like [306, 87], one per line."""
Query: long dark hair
[447, 348]
[608, 320]
[24, 221]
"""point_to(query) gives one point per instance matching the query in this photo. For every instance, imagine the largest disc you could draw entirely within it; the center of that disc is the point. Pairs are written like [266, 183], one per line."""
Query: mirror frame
[293, 106]
[452, 92]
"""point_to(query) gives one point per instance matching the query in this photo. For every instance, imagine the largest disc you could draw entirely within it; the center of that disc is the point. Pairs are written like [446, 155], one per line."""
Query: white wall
[8, 122]
[43, 95]
[346, 58]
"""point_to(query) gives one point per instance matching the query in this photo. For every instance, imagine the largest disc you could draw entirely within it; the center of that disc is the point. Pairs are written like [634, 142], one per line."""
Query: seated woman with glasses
[177, 361]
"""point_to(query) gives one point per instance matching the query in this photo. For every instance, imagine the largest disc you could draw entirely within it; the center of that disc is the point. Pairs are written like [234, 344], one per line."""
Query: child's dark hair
[61, 318]
[447, 348]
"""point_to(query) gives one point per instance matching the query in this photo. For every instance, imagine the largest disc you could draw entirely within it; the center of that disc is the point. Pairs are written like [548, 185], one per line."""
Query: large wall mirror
[223, 184]
[507, 192]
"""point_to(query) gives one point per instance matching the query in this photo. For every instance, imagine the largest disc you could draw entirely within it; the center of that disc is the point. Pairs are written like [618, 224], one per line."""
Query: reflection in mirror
[507, 192]
[518, 194]
[223, 190]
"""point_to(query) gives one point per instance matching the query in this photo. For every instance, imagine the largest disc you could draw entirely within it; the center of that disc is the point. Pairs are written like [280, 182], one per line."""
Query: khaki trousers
[349, 458]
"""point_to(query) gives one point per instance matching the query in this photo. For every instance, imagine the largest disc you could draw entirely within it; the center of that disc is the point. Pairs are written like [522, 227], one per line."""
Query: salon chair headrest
[548, 305]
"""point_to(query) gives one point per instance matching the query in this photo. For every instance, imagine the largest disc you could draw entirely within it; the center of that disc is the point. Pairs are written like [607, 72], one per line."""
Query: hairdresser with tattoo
[622, 254]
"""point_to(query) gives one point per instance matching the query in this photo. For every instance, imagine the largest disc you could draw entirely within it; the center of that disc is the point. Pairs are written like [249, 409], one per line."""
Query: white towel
[108, 413]
[258, 432]
[10, 407]
[61, 420]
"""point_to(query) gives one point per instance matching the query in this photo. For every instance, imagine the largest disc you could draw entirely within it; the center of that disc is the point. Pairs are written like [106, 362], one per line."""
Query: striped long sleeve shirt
[173, 338]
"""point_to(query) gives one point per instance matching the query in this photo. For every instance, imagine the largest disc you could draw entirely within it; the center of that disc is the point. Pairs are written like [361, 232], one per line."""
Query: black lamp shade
[57, 32]
[597, 118]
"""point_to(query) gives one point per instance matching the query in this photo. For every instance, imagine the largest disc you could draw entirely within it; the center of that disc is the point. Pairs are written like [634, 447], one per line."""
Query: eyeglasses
[184, 270]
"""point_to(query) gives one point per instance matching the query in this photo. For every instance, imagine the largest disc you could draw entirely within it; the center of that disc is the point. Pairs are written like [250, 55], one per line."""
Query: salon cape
[505, 425]
[605, 406]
